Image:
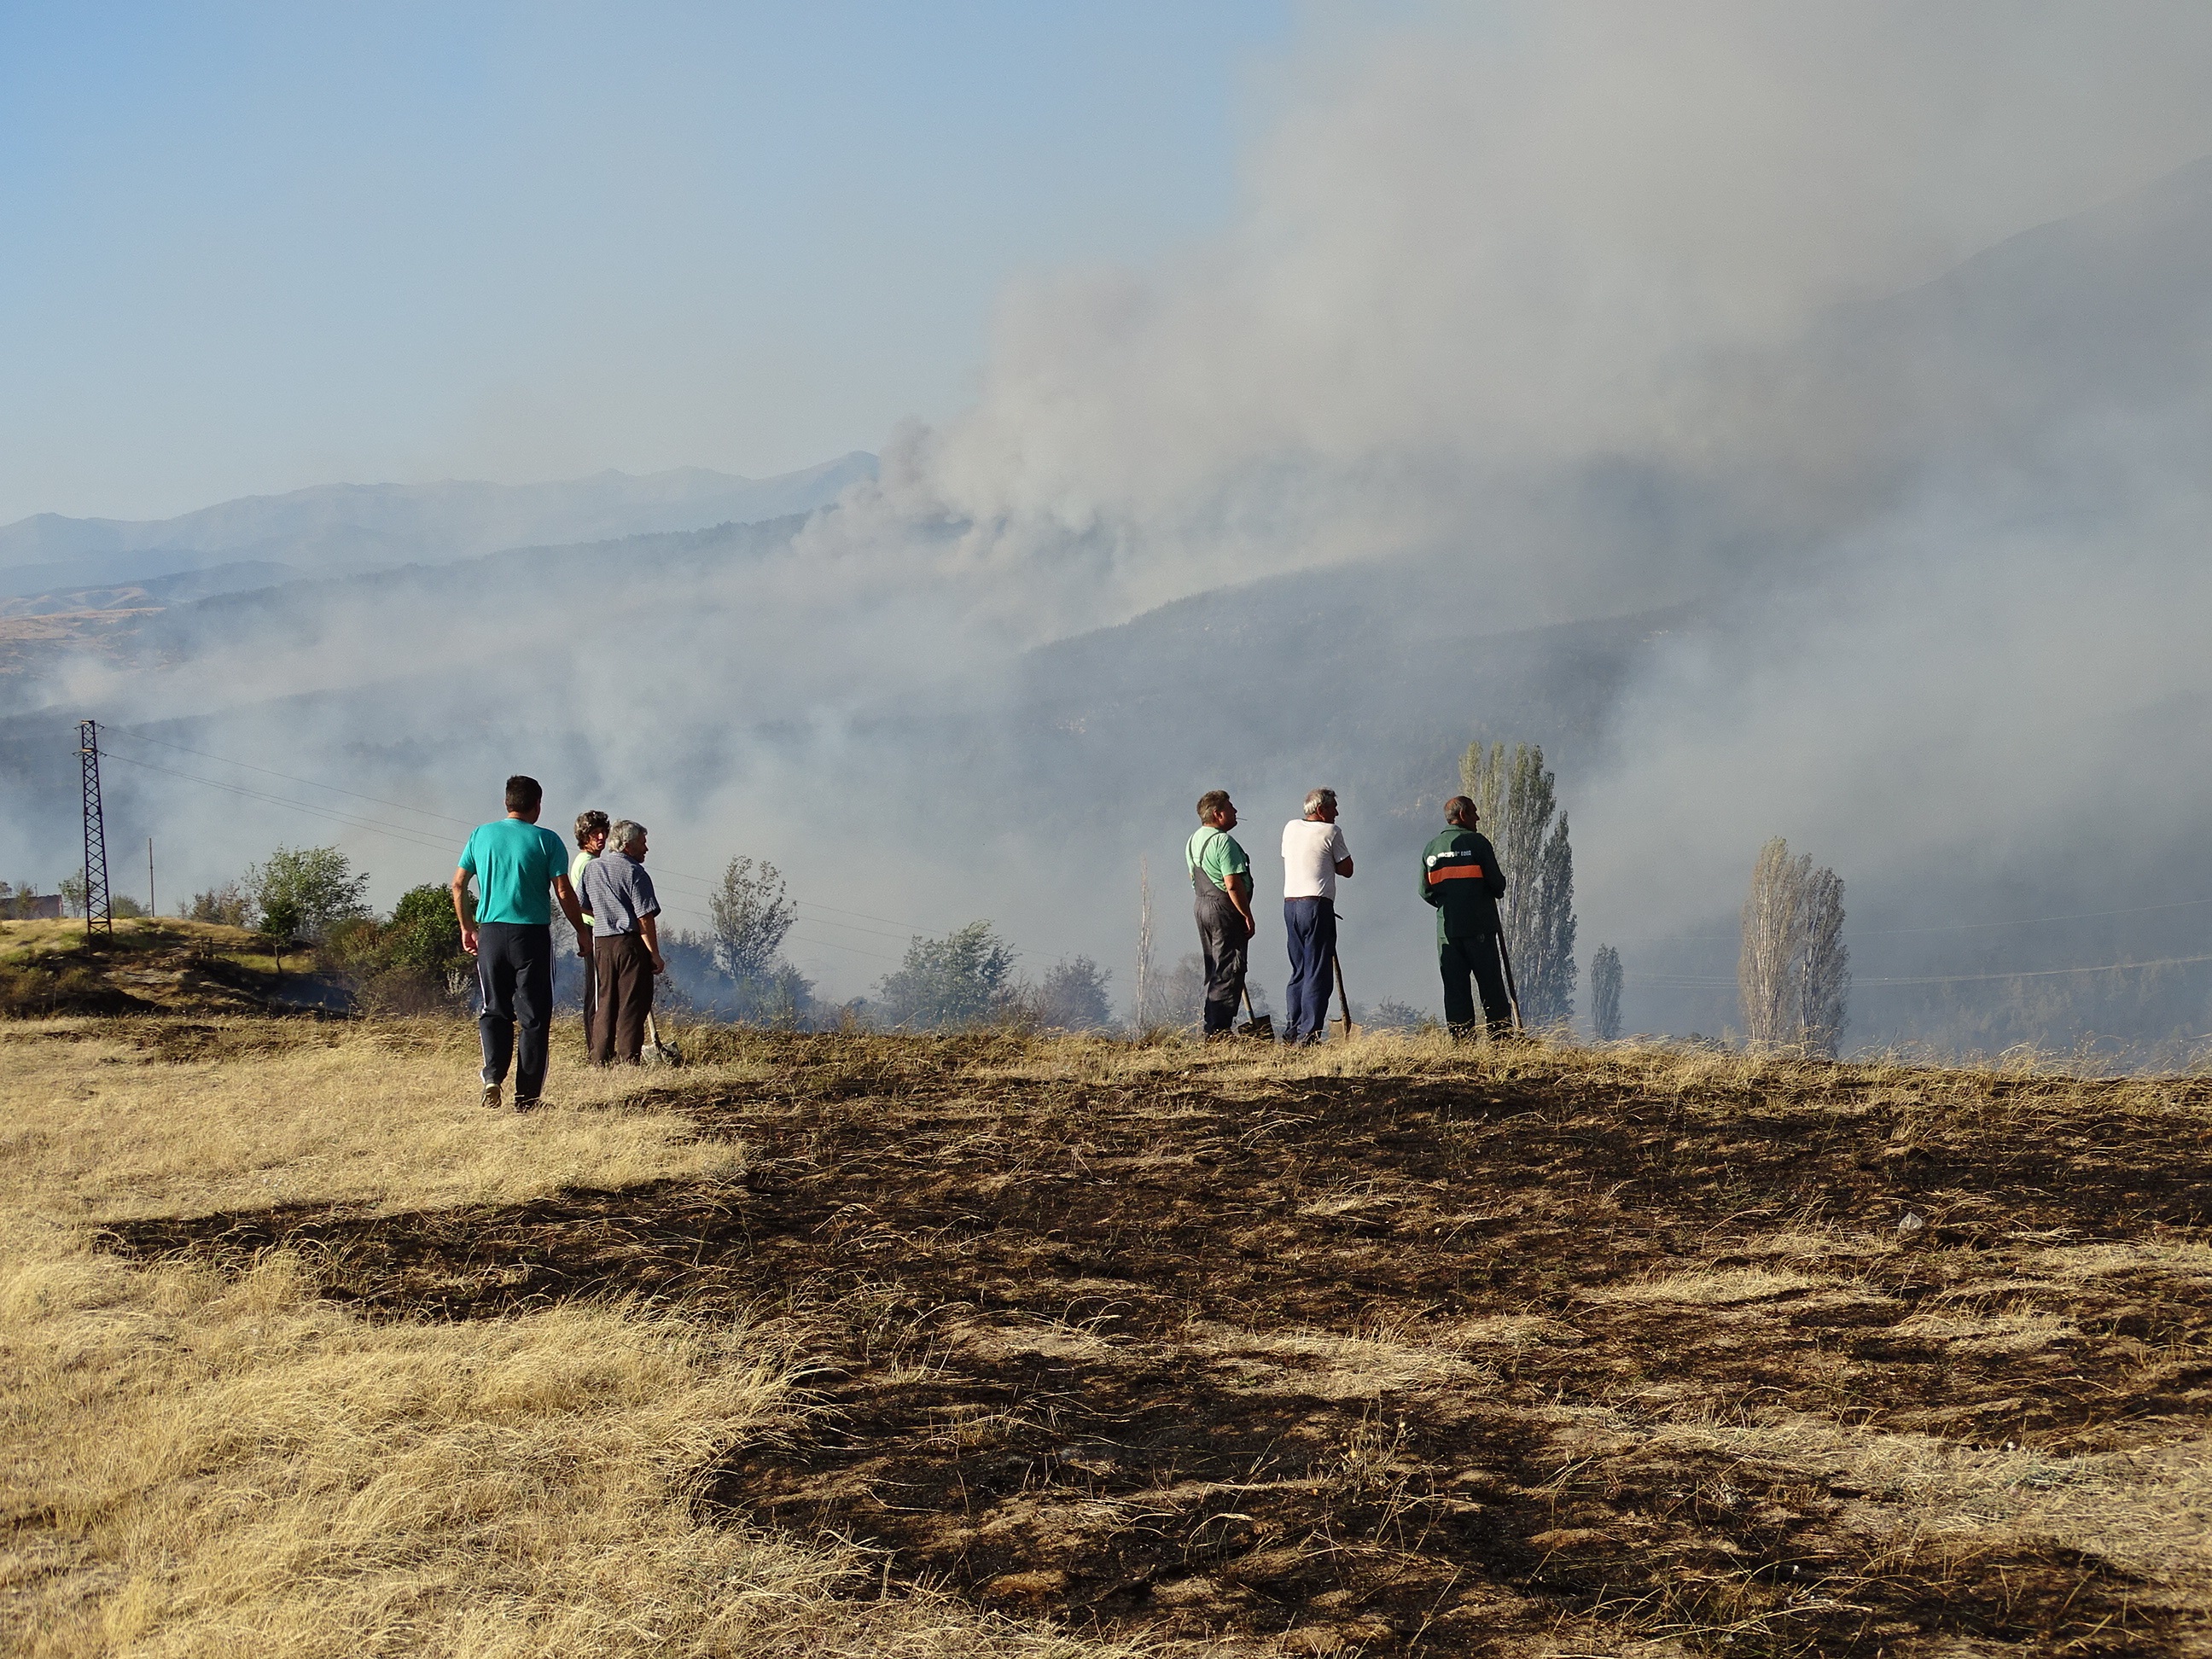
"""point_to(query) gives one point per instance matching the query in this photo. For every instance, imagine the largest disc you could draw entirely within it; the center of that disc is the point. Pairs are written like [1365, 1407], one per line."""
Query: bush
[780, 998]
[407, 965]
[1392, 1015]
[37, 991]
[227, 906]
[963, 979]
[1073, 997]
[423, 933]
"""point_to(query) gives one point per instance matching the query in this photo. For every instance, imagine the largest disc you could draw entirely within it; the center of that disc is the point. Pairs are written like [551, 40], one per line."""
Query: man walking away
[591, 842]
[1221, 882]
[625, 944]
[516, 866]
[1461, 878]
[1314, 855]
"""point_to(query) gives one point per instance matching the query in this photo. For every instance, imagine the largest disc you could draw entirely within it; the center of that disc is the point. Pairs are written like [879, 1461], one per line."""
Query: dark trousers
[1456, 958]
[515, 975]
[623, 968]
[1224, 943]
[1309, 926]
[591, 998]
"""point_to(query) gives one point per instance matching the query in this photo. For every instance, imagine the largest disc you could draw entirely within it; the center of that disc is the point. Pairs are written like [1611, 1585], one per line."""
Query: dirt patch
[1392, 1362]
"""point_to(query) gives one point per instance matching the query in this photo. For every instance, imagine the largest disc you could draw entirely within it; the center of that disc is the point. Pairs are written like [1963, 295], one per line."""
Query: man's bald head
[1460, 810]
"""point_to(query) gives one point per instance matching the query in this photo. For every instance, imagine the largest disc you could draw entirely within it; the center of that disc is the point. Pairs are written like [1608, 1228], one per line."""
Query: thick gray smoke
[1869, 341]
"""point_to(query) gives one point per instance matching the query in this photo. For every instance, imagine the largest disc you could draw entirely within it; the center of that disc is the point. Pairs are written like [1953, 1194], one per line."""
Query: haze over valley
[1782, 462]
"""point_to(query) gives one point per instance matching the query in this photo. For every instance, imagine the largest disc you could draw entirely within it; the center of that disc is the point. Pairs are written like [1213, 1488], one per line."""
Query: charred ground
[1443, 1354]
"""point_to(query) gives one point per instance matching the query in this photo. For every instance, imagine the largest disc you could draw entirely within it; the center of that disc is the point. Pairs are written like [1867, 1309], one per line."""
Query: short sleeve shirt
[620, 895]
[515, 865]
[577, 866]
[1311, 853]
[1216, 852]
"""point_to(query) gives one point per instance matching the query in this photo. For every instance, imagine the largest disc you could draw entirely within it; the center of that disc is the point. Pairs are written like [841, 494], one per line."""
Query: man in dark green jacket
[1461, 878]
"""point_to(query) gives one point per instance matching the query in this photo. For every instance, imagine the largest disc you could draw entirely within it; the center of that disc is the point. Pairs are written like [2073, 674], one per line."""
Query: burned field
[1557, 1352]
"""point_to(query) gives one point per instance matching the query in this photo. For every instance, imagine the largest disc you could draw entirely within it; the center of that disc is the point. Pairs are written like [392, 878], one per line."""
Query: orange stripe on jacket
[1457, 873]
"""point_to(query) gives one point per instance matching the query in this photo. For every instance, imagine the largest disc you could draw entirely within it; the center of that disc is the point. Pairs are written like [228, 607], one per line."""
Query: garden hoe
[1343, 1001]
[1512, 991]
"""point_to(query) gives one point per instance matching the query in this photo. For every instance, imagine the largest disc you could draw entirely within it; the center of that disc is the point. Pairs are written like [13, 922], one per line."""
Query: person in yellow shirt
[591, 842]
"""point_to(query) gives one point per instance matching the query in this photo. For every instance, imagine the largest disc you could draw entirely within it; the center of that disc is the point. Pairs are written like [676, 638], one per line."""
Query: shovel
[1343, 1002]
[1258, 1026]
[653, 1051]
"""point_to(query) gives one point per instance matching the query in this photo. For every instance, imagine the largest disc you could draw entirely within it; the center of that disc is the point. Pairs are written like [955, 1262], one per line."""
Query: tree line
[1793, 973]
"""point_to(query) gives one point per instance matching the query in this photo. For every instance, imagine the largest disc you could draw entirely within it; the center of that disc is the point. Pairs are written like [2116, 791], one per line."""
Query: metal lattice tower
[98, 913]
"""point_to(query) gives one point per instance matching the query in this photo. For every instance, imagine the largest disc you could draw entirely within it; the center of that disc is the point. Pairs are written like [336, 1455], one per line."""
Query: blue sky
[243, 249]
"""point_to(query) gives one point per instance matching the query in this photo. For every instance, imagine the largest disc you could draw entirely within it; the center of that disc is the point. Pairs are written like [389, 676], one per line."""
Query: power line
[1947, 979]
[1947, 927]
[2037, 973]
[398, 832]
[289, 777]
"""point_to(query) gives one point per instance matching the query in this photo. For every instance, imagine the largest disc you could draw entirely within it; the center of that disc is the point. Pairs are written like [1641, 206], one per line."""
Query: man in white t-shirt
[1314, 856]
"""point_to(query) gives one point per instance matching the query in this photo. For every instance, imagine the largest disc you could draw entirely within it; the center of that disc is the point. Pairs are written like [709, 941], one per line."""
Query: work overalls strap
[1209, 896]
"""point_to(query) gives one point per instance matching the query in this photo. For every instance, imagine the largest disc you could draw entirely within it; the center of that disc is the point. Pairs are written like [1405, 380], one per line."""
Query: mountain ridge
[341, 528]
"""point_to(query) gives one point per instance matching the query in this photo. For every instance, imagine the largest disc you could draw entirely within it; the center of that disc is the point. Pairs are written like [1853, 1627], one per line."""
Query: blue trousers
[1309, 924]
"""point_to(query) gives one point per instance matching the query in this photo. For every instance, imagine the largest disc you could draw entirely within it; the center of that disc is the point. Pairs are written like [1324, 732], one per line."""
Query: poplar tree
[1825, 984]
[1792, 976]
[1518, 801]
[1605, 993]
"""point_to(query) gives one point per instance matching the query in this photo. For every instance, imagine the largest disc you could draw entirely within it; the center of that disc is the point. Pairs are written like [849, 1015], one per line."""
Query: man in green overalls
[1461, 878]
[1221, 889]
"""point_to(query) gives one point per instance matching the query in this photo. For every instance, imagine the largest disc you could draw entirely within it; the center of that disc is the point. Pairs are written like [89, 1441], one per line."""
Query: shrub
[1073, 997]
[226, 906]
[963, 979]
[423, 933]
[37, 990]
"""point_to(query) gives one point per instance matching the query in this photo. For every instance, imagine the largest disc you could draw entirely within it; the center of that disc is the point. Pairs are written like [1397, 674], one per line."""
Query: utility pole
[98, 912]
[152, 908]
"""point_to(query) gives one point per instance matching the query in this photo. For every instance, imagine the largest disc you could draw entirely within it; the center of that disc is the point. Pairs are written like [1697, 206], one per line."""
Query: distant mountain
[339, 529]
[156, 593]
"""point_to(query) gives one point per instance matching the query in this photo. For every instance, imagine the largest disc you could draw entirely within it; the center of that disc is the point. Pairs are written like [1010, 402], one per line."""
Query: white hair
[1317, 798]
[625, 831]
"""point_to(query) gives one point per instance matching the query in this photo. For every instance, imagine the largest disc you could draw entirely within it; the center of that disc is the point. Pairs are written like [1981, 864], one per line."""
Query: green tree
[299, 892]
[963, 979]
[1605, 993]
[748, 916]
[1518, 802]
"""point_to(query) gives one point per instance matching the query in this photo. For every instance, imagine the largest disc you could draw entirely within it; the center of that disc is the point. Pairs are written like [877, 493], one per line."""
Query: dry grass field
[997, 1346]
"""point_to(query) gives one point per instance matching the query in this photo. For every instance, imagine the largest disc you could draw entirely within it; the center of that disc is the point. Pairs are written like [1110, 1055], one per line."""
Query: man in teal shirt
[520, 871]
[1221, 889]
